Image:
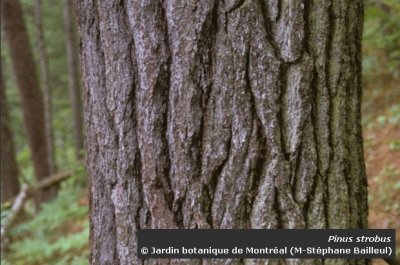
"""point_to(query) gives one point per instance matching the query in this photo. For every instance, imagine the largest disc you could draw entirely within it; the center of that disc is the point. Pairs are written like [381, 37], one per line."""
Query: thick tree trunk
[73, 78]
[46, 88]
[28, 88]
[9, 167]
[221, 114]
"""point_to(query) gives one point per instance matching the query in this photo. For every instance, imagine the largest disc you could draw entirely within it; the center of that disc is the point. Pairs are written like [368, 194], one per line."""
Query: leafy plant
[58, 234]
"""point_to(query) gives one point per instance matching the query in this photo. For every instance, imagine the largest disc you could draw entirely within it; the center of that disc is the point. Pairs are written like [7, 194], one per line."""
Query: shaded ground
[381, 125]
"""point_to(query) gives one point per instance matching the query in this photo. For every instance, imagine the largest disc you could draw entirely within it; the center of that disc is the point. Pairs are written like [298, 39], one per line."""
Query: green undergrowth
[57, 234]
[385, 200]
[381, 112]
[388, 182]
[381, 40]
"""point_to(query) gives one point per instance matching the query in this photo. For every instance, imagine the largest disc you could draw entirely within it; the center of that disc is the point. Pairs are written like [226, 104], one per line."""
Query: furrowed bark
[221, 114]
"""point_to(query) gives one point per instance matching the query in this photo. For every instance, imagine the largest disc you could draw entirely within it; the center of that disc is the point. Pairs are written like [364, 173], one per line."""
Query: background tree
[221, 114]
[9, 167]
[28, 87]
[73, 77]
[46, 87]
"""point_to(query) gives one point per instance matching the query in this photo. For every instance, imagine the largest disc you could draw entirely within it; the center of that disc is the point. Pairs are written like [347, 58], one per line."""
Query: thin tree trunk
[221, 114]
[9, 167]
[46, 88]
[28, 88]
[73, 77]
[385, 8]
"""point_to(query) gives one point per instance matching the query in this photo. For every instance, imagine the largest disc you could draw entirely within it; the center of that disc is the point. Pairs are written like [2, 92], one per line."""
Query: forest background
[57, 232]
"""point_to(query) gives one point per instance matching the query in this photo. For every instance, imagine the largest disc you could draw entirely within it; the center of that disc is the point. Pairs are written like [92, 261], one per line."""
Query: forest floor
[381, 126]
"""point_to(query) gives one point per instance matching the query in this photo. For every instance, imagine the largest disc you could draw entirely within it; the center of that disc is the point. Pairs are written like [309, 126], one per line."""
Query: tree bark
[28, 88]
[46, 88]
[9, 167]
[73, 78]
[221, 114]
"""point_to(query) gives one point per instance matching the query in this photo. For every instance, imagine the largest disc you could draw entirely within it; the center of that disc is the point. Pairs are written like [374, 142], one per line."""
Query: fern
[58, 234]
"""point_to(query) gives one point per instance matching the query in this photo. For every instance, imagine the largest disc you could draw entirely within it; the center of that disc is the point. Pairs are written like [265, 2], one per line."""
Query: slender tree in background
[383, 6]
[9, 167]
[46, 88]
[221, 114]
[73, 74]
[28, 88]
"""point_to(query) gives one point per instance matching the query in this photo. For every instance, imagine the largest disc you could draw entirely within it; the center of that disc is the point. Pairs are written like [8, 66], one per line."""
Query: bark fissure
[306, 18]
[277, 210]
[313, 213]
[283, 86]
[216, 182]
[269, 15]
[279, 8]
[260, 143]
[235, 5]
[295, 166]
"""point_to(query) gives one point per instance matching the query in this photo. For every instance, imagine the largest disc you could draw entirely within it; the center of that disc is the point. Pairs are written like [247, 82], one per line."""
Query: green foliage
[25, 165]
[382, 34]
[388, 186]
[386, 196]
[58, 234]
[5, 213]
[392, 117]
[392, 4]
[395, 114]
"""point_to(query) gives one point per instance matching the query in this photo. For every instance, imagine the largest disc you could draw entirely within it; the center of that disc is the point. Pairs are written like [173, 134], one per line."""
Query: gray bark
[221, 114]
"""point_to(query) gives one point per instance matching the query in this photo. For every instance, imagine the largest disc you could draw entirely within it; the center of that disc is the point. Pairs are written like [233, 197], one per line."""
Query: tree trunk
[28, 88]
[46, 88]
[385, 8]
[221, 114]
[73, 78]
[9, 167]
